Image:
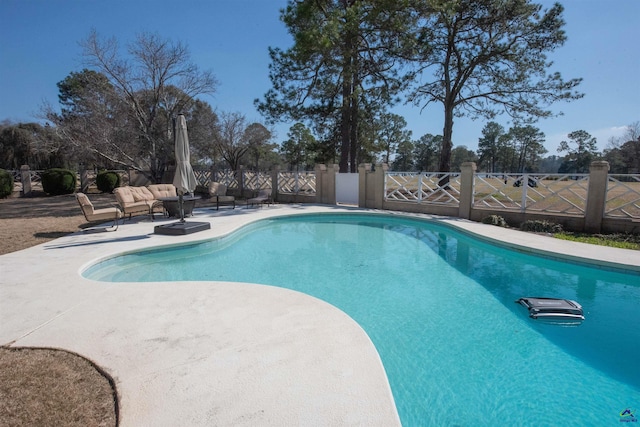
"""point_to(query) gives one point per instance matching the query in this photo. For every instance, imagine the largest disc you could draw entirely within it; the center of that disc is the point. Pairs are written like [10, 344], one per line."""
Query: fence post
[363, 170]
[378, 185]
[25, 178]
[213, 172]
[240, 173]
[467, 170]
[330, 187]
[84, 179]
[275, 185]
[326, 183]
[525, 186]
[321, 171]
[596, 196]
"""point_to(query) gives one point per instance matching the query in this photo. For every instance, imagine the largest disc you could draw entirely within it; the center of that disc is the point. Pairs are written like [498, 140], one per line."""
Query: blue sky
[39, 47]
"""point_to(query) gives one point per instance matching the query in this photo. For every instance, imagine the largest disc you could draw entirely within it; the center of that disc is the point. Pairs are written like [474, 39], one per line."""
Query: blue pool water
[439, 307]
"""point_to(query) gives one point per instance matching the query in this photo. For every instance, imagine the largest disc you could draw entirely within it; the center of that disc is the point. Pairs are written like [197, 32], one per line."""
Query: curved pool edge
[616, 259]
[626, 260]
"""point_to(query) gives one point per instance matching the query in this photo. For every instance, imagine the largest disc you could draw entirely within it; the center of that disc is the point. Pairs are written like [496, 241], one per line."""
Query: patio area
[195, 353]
[214, 353]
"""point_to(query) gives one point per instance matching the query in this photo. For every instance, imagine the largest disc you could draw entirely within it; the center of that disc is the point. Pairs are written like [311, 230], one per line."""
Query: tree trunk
[353, 137]
[445, 154]
[344, 128]
[353, 134]
[349, 116]
[493, 161]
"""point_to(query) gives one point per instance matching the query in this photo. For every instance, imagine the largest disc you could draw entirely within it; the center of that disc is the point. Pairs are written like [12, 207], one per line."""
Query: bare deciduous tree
[231, 139]
[155, 81]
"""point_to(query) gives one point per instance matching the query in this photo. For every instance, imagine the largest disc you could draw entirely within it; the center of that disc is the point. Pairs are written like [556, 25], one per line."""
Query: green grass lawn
[620, 240]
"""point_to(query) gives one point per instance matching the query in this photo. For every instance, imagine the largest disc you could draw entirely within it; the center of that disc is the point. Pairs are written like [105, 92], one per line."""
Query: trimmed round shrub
[495, 220]
[107, 181]
[541, 226]
[58, 181]
[6, 183]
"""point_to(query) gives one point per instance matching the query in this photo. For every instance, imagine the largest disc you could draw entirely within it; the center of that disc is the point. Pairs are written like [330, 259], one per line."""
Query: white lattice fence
[553, 193]
[623, 196]
[203, 177]
[228, 178]
[297, 182]
[256, 180]
[437, 188]
[17, 179]
[91, 176]
[36, 179]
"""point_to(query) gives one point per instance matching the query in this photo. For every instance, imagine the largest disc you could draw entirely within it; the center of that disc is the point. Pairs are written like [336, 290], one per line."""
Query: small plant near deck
[495, 220]
[541, 226]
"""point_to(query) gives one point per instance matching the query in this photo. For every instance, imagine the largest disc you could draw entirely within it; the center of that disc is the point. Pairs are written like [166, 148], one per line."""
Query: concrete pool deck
[215, 353]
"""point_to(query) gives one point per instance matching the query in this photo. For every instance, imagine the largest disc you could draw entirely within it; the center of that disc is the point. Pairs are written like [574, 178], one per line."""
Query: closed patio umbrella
[185, 182]
[184, 179]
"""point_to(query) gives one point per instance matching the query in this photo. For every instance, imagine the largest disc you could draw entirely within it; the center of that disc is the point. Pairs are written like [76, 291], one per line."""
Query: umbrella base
[181, 228]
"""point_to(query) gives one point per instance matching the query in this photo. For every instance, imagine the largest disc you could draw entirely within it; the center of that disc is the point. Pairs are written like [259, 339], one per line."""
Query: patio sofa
[162, 190]
[159, 191]
[142, 200]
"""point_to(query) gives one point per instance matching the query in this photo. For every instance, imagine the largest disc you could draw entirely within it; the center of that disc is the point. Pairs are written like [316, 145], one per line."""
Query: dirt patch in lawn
[30, 221]
[41, 387]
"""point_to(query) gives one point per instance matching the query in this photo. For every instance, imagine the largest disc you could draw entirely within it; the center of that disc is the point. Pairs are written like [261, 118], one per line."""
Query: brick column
[320, 170]
[274, 184]
[363, 170]
[378, 185]
[326, 184]
[25, 178]
[468, 170]
[330, 184]
[84, 179]
[596, 196]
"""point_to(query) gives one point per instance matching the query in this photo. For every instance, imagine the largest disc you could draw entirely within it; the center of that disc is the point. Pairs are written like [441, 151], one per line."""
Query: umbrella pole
[181, 205]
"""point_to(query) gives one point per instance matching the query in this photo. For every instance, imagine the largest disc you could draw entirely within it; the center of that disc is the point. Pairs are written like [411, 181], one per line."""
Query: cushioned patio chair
[263, 196]
[93, 215]
[218, 192]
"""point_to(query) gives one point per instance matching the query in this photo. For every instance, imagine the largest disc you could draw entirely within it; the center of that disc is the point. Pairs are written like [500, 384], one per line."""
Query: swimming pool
[439, 307]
